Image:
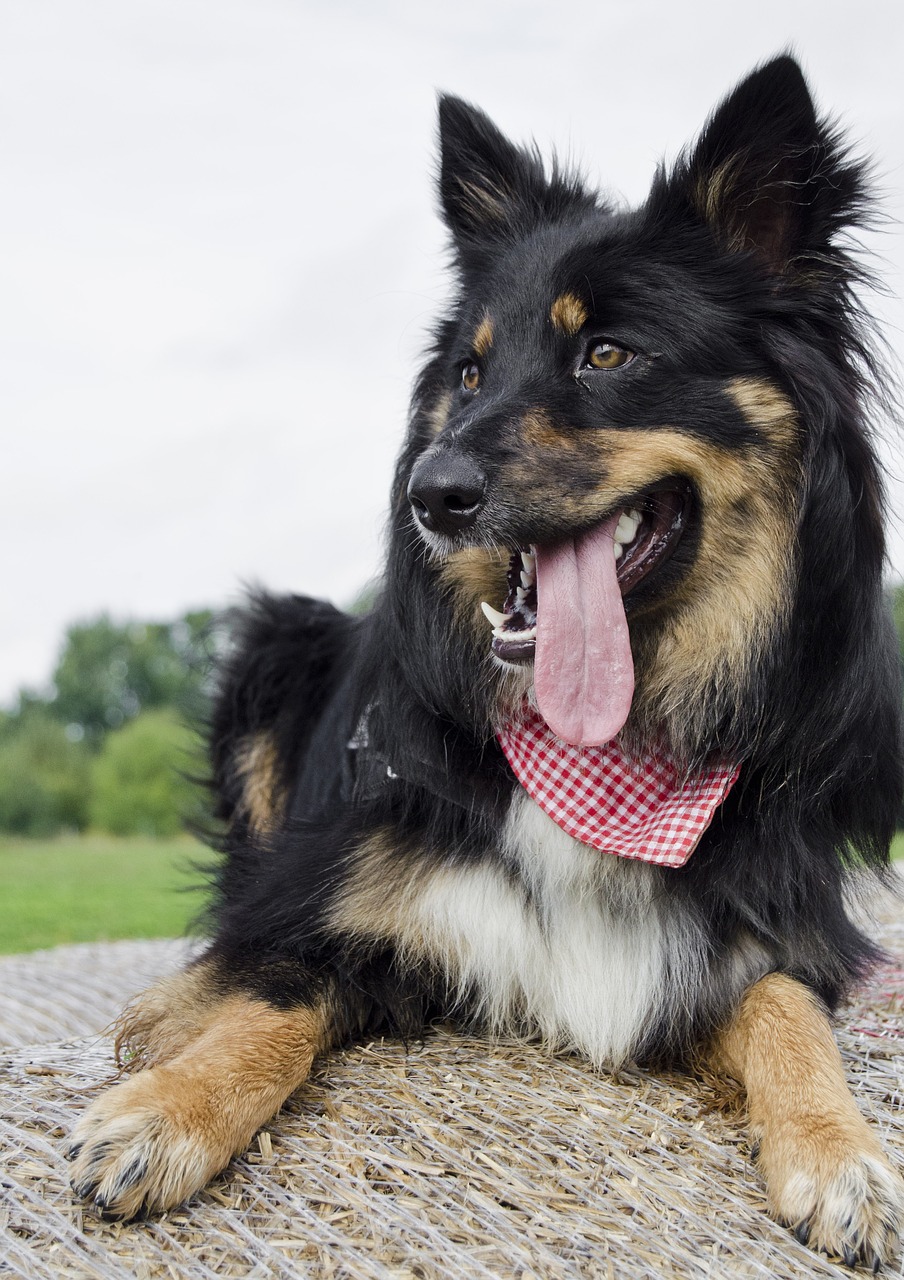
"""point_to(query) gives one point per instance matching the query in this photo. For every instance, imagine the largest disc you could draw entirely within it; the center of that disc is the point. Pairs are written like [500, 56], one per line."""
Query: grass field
[96, 887]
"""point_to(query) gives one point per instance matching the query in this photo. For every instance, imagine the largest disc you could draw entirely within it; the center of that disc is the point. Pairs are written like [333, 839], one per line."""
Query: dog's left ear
[768, 176]
[492, 191]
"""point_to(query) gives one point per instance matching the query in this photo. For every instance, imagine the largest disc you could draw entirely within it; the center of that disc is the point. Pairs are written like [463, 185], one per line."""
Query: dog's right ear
[491, 191]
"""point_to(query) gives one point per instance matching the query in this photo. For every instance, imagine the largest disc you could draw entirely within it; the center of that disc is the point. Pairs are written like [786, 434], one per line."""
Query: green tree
[138, 779]
[43, 776]
[109, 672]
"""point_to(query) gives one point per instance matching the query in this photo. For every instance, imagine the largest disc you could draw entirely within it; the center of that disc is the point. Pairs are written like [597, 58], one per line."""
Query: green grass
[89, 888]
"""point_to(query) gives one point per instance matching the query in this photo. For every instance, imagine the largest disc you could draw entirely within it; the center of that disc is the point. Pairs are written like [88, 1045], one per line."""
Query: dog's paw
[838, 1196]
[147, 1144]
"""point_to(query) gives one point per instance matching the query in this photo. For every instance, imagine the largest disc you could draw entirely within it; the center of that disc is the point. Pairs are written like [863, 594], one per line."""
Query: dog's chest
[556, 939]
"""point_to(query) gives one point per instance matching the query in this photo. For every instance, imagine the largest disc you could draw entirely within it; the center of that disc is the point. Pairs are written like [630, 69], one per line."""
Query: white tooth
[493, 616]
[526, 581]
[618, 549]
[628, 524]
[530, 565]
[520, 598]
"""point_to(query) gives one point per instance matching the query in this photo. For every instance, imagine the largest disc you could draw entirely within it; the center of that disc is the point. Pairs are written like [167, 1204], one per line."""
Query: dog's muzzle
[447, 492]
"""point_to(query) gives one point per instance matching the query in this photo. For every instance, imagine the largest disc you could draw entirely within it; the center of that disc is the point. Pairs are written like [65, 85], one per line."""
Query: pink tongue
[583, 670]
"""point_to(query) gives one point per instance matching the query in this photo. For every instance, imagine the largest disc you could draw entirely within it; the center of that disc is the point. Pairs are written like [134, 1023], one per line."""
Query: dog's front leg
[826, 1175]
[159, 1136]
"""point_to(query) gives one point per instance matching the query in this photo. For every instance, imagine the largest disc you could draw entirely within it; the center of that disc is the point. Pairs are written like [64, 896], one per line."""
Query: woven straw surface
[77, 990]
[449, 1159]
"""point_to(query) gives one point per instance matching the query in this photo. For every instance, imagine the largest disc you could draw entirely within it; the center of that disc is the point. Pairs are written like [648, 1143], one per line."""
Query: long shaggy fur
[736, 275]
[383, 865]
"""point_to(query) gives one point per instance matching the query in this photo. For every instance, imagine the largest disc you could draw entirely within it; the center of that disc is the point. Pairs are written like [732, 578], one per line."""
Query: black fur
[735, 268]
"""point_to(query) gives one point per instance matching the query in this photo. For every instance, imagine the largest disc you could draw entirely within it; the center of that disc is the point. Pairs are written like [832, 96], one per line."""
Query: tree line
[110, 746]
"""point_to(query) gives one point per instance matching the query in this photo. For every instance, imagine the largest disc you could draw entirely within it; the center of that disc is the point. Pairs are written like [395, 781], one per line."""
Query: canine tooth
[493, 616]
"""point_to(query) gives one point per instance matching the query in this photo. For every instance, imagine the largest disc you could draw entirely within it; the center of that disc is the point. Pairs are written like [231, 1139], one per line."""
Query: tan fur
[539, 431]
[474, 574]
[822, 1164]
[568, 314]
[736, 592]
[263, 796]
[767, 409]
[439, 414]
[159, 1136]
[483, 338]
[378, 898]
[161, 1022]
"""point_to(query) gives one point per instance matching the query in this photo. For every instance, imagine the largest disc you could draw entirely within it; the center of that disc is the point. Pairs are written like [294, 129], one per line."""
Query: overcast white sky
[220, 257]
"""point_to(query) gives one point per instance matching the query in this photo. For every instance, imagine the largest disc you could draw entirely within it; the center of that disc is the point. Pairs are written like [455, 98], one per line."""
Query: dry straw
[451, 1158]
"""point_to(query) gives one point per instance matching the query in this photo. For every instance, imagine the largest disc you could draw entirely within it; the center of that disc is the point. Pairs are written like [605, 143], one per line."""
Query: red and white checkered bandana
[632, 808]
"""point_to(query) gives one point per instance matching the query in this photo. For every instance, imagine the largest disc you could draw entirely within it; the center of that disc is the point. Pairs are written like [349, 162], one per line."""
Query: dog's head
[630, 419]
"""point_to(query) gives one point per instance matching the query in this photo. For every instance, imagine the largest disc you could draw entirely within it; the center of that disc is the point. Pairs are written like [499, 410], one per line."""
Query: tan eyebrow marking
[483, 338]
[568, 314]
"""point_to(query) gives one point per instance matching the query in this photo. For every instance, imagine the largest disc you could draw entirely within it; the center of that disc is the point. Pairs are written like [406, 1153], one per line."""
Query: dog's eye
[470, 376]
[606, 355]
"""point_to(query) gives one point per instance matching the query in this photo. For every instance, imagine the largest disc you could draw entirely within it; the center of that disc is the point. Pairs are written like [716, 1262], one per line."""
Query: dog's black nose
[446, 492]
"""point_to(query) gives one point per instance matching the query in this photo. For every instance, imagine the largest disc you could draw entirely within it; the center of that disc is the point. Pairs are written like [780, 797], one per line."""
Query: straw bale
[78, 990]
[448, 1158]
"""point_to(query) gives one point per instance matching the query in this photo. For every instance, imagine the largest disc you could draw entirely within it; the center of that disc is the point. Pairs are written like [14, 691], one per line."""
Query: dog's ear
[490, 190]
[768, 176]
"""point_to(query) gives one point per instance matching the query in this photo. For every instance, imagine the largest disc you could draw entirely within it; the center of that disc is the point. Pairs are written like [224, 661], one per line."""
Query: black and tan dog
[636, 534]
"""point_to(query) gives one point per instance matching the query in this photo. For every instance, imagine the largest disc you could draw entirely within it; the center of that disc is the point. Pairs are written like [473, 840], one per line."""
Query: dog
[626, 712]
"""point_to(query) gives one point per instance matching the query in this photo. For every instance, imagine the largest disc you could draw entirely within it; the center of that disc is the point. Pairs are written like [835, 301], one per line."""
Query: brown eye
[605, 355]
[470, 376]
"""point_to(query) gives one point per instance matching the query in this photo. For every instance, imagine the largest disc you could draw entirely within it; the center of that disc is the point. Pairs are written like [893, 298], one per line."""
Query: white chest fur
[564, 942]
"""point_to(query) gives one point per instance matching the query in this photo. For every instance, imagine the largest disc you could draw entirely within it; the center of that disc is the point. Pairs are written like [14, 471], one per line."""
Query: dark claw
[71, 1150]
[131, 1174]
[877, 1264]
[99, 1152]
[84, 1188]
[103, 1210]
[755, 1152]
[802, 1232]
[849, 1257]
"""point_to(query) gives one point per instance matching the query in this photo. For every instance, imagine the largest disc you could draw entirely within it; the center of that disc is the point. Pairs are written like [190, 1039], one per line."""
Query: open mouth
[643, 538]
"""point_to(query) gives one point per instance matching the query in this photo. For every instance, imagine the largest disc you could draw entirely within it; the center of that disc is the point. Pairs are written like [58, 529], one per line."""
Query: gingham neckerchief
[632, 808]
